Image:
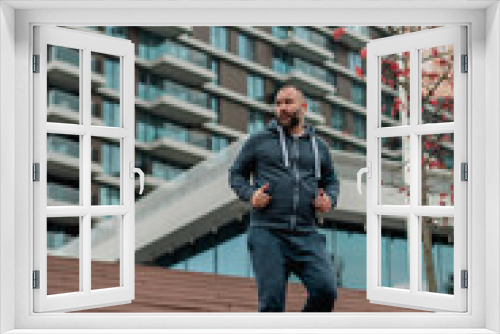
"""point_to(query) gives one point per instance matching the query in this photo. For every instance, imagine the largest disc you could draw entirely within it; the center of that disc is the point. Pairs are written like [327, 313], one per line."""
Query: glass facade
[338, 117]
[246, 47]
[112, 72]
[110, 159]
[109, 195]
[358, 94]
[219, 38]
[281, 62]
[111, 113]
[359, 126]
[313, 105]
[255, 121]
[255, 87]
[226, 253]
[153, 47]
[354, 60]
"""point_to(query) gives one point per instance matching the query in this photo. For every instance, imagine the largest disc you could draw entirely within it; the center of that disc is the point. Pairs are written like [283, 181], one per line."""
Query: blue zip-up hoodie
[294, 167]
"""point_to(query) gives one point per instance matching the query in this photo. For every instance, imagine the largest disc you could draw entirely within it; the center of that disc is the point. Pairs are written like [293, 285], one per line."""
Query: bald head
[299, 96]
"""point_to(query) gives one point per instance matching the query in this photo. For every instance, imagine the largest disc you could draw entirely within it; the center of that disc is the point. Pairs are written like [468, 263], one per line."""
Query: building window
[255, 87]
[120, 32]
[219, 142]
[361, 30]
[280, 32]
[112, 72]
[338, 117]
[215, 107]
[164, 171]
[111, 113]
[359, 126]
[255, 121]
[152, 47]
[219, 38]
[281, 62]
[312, 70]
[354, 59]
[387, 105]
[311, 36]
[246, 47]
[110, 159]
[109, 196]
[145, 128]
[313, 106]
[214, 65]
[358, 94]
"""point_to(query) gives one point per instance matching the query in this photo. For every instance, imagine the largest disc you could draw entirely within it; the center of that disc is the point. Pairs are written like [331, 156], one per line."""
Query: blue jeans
[276, 253]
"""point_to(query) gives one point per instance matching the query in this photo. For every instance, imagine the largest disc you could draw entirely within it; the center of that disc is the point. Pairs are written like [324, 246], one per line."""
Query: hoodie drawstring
[314, 146]
[316, 157]
[283, 146]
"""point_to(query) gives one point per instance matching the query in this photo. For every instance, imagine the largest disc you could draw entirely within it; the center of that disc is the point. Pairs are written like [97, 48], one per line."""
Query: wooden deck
[159, 290]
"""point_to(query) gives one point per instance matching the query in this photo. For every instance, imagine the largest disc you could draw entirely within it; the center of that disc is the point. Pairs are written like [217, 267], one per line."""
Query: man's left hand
[322, 203]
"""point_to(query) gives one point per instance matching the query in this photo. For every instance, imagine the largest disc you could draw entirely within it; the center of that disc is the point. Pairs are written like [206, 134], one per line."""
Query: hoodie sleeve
[329, 180]
[239, 173]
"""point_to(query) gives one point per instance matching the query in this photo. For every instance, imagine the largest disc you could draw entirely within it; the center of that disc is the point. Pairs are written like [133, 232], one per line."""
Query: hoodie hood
[273, 126]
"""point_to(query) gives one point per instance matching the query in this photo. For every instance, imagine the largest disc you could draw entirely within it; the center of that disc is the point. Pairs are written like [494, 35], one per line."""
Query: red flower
[359, 72]
[394, 66]
[362, 52]
[337, 33]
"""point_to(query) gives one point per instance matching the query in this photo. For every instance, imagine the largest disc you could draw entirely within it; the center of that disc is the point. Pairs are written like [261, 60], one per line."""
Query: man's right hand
[259, 198]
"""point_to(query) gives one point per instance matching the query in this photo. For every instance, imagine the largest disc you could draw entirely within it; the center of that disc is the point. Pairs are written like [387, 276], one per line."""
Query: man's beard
[294, 121]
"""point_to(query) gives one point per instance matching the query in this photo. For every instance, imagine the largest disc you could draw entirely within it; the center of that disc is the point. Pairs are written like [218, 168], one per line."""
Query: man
[293, 179]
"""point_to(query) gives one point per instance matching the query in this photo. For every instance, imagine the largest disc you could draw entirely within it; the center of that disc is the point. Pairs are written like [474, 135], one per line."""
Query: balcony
[176, 61]
[58, 194]
[67, 76]
[178, 144]
[179, 70]
[169, 32]
[354, 37]
[306, 49]
[63, 69]
[237, 97]
[63, 158]
[308, 84]
[173, 150]
[232, 58]
[221, 129]
[181, 111]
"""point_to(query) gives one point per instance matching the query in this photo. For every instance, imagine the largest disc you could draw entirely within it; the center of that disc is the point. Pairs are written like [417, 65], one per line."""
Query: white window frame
[483, 21]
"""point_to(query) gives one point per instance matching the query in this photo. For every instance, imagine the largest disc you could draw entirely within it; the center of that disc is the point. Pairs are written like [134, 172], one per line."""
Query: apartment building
[199, 90]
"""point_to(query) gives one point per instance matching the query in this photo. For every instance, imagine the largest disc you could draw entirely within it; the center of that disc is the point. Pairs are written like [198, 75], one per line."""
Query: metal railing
[63, 146]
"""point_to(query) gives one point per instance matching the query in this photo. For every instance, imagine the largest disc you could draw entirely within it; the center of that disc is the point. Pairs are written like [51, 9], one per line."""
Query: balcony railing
[149, 92]
[63, 146]
[63, 194]
[312, 71]
[169, 48]
[310, 36]
[183, 135]
[63, 99]
[71, 56]
[165, 172]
